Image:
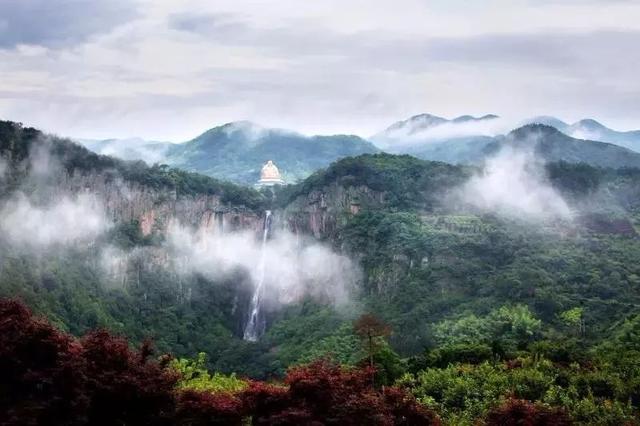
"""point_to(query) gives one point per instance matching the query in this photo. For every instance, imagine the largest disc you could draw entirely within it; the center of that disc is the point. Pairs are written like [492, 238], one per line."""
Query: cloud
[513, 183]
[294, 266]
[4, 168]
[221, 25]
[66, 221]
[129, 149]
[412, 135]
[184, 67]
[59, 23]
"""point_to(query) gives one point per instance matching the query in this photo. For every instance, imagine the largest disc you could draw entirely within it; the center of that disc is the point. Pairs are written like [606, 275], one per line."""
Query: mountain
[549, 121]
[237, 151]
[427, 127]
[129, 149]
[469, 140]
[456, 150]
[513, 271]
[553, 145]
[592, 130]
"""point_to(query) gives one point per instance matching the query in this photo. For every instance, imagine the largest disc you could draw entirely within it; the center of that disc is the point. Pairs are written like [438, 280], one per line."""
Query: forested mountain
[592, 130]
[552, 145]
[237, 151]
[515, 280]
[546, 141]
[427, 127]
[129, 148]
[468, 140]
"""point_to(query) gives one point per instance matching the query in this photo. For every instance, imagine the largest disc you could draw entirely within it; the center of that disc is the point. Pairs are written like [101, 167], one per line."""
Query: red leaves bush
[124, 385]
[517, 412]
[326, 394]
[205, 408]
[40, 370]
[48, 377]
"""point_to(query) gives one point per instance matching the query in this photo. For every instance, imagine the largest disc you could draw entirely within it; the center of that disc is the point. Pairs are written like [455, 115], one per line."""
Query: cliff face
[153, 209]
[320, 212]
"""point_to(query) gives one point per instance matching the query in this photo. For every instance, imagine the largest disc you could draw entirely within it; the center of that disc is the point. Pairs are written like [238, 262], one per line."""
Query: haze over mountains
[236, 151]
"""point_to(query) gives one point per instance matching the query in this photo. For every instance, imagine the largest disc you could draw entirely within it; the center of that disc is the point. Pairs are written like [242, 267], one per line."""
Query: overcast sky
[168, 70]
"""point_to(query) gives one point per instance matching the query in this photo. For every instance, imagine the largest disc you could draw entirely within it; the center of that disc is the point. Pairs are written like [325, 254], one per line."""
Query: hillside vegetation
[479, 315]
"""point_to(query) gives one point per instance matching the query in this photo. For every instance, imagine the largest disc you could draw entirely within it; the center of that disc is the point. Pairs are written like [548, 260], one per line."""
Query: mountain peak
[549, 121]
[420, 122]
[535, 129]
[241, 126]
[468, 118]
[590, 124]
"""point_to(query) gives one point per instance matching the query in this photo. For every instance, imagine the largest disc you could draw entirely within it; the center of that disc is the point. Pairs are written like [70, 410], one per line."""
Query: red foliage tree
[125, 386]
[206, 408]
[517, 412]
[41, 371]
[47, 377]
[325, 394]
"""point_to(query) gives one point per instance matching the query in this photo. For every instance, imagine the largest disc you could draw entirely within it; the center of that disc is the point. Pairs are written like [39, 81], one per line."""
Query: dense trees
[17, 143]
[47, 377]
[492, 317]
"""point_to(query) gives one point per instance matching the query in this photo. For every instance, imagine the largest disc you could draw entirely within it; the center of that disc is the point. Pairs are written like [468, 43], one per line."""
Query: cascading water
[255, 322]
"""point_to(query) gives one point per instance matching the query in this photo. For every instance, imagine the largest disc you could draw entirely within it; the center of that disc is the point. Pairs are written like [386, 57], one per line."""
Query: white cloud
[65, 221]
[294, 266]
[513, 183]
[4, 168]
[179, 68]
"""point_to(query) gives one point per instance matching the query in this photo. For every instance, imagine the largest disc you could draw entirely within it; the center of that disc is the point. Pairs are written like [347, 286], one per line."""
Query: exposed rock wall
[319, 213]
[154, 209]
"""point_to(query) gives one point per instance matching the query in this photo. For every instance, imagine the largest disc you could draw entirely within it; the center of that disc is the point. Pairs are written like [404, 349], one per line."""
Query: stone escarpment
[155, 210]
[321, 212]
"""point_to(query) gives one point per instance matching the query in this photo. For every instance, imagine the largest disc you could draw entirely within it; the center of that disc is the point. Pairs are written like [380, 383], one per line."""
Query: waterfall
[255, 321]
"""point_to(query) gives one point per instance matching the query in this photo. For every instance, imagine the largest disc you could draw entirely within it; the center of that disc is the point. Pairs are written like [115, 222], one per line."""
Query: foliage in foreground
[49, 377]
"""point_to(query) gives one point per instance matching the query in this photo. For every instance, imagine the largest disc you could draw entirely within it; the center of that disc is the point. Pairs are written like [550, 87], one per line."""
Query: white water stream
[255, 322]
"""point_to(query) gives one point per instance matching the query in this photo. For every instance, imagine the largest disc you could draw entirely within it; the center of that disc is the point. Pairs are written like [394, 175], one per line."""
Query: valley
[433, 249]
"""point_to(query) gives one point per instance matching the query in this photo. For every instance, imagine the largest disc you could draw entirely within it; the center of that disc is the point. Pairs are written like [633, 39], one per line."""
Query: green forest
[470, 315]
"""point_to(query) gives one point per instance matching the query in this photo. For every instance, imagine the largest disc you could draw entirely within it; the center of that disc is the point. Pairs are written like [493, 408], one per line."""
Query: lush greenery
[545, 138]
[48, 377]
[237, 151]
[17, 143]
[479, 316]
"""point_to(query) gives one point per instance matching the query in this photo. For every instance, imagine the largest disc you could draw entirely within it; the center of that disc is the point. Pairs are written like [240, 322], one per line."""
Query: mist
[79, 219]
[295, 267]
[513, 183]
[409, 136]
[4, 167]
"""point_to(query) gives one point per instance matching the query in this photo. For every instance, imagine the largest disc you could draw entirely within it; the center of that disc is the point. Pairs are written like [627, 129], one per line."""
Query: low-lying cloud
[4, 167]
[416, 134]
[294, 267]
[513, 183]
[79, 219]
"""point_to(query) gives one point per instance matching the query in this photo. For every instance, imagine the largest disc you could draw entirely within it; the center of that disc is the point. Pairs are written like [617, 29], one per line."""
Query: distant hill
[592, 130]
[553, 145]
[469, 140]
[129, 148]
[404, 134]
[236, 151]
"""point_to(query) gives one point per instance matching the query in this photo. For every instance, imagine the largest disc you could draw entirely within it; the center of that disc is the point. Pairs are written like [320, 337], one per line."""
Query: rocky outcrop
[153, 209]
[320, 212]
